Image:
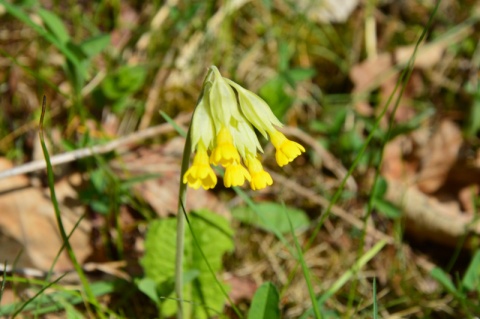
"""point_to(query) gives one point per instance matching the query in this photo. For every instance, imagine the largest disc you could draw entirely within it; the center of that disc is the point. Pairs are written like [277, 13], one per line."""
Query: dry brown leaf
[428, 219]
[370, 74]
[439, 156]
[394, 166]
[242, 288]
[28, 226]
[467, 196]
[382, 72]
[373, 73]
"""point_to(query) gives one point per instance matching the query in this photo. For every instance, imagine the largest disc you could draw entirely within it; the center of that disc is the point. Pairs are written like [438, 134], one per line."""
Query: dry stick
[321, 201]
[97, 149]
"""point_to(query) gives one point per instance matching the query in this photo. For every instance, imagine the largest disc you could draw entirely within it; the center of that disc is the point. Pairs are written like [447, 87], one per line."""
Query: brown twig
[323, 202]
[97, 149]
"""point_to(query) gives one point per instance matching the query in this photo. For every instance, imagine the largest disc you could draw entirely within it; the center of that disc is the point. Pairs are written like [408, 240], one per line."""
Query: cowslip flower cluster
[222, 134]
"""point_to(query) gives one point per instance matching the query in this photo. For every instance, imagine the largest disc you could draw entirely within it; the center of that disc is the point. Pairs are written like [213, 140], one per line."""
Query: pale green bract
[256, 110]
[202, 126]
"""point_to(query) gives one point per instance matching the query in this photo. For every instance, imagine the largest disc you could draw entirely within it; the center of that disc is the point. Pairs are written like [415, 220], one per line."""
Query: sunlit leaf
[214, 236]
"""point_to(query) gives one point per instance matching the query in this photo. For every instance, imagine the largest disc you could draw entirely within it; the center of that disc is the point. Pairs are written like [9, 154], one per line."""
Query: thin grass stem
[51, 184]
[306, 271]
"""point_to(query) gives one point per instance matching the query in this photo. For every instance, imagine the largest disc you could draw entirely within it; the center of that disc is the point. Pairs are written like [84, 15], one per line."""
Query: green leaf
[124, 82]
[54, 25]
[474, 116]
[284, 54]
[149, 287]
[300, 74]
[273, 92]
[442, 277]
[214, 235]
[265, 303]
[274, 217]
[380, 188]
[471, 279]
[412, 124]
[71, 312]
[351, 141]
[19, 14]
[386, 208]
[94, 45]
[49, 302]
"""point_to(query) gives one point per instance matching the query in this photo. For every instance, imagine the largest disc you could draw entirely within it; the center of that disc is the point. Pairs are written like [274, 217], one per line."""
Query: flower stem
[181, 213]
[182, 196]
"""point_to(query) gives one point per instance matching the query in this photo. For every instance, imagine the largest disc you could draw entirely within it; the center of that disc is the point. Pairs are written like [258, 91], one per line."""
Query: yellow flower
[222, 126]
[260, 178]
[287, 150]
[200, 173]
[224, 152]
[235, 175]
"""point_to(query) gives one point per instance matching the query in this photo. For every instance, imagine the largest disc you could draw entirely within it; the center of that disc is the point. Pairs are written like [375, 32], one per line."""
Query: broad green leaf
[273, 217]
[94, 45]
[54, 25]
[203, 298]
[265, 303]
[471, 279]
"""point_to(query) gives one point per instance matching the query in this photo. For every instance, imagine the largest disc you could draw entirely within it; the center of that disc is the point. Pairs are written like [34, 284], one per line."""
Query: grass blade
[306, 272]
[348, 275]
[51, 185]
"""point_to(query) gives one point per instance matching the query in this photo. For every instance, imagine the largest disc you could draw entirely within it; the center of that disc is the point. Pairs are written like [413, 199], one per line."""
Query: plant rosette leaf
[203, 297]
[265, 303]
[272, 216]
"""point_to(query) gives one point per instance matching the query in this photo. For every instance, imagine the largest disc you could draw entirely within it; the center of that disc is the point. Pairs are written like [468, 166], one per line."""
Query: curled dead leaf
[439, 156]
